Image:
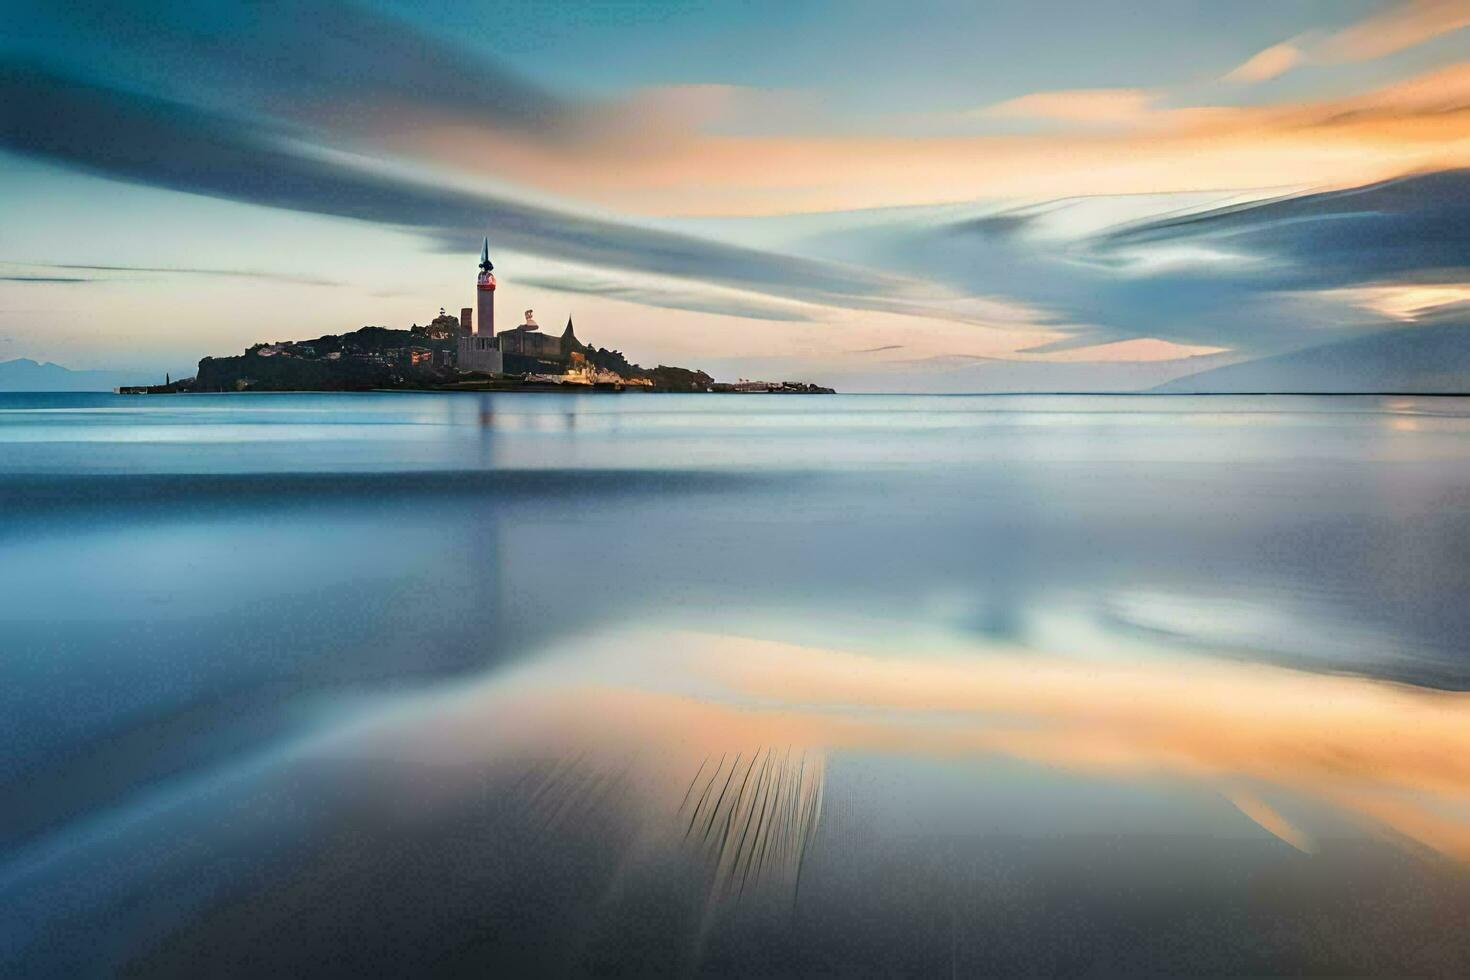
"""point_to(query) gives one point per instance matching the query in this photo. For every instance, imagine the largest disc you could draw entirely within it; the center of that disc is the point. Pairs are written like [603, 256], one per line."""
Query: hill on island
[382, 357]
[372, 357]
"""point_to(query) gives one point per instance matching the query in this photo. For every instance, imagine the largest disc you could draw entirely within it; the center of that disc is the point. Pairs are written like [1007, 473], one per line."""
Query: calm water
[391, 684]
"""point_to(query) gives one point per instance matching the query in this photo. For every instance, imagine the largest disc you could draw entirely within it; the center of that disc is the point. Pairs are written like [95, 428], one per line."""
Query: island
[449, 353]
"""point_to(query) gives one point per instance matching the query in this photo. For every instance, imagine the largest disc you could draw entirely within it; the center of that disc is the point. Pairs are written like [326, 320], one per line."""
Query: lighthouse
[485, 294]
[480, 351]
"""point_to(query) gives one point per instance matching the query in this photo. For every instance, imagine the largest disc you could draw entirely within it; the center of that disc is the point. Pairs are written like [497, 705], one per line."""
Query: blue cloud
[1413, 227]
[1262, 300]
[167, 144]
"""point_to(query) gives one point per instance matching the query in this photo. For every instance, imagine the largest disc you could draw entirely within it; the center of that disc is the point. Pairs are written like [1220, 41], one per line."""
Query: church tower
[569, 342]
[485, 295]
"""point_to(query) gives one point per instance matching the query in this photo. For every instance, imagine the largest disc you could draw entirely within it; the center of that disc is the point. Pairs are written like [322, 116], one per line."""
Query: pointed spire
[485, 255]
[568, 332]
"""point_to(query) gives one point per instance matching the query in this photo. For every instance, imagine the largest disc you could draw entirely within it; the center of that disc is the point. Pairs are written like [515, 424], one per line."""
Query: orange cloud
[1137, 349]
[1422, 123]
[1400, 27]
[1407, 302]
[1087, 107]
[1267, 64]
[1403, 26]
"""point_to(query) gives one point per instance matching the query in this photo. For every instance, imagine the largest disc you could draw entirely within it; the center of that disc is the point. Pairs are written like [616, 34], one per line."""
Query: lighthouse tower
[485, 294]
[480, 351]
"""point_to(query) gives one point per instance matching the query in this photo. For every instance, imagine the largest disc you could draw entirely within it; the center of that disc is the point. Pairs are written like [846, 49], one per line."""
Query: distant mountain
[1414, 358]
[24, 374]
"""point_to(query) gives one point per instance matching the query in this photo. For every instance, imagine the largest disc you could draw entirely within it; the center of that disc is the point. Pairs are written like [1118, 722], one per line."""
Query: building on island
[528, 340]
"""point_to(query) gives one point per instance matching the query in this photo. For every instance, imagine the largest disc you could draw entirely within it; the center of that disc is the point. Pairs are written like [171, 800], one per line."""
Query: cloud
[668, 111]
[342, 79]
[676, 297]
[320, 62]
[1327, 142]
[178, 147]
[1410, 302]
[165, 144]
[1407, 227]
[1087, 107]
[1136, 350]
[1402, 26]
[281, 277]
[1273, 61]
[1264, 277]
[46, 279]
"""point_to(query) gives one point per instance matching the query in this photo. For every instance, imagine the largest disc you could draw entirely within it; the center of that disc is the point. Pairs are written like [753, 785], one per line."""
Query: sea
[507, 684]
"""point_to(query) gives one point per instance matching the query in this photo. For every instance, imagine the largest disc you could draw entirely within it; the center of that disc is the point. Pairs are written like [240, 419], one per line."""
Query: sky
[944, 196]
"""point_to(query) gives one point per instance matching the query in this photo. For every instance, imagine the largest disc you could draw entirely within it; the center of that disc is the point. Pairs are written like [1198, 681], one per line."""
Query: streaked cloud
[318, 62]
[1086, 107]
[1288, 262]
[186, 271]
[1092, 147]
[1267, 64]
[170, 145]
[1412, 226]
[1408, 302]
[702, 148]
[1404, 25]
[671, 295]
[1140, 349]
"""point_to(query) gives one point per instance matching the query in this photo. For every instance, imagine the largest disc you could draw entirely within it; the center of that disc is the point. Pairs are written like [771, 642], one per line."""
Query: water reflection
[899, 686]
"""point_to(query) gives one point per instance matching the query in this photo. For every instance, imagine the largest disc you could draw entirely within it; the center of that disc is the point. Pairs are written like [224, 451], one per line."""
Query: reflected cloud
[1391, 753]
[727, 737]
[1272, 822]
